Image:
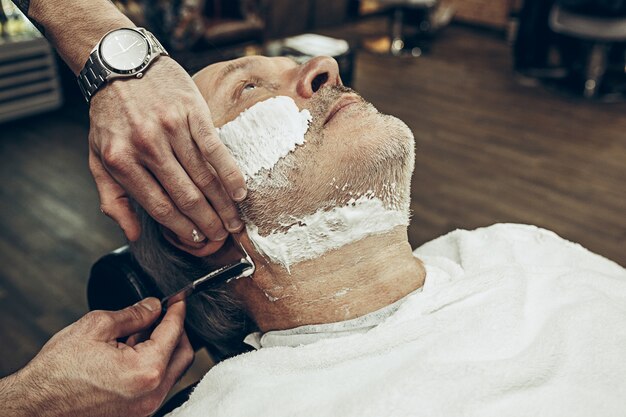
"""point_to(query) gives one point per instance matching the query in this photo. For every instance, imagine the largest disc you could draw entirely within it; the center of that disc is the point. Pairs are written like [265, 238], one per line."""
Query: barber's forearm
[16, 399]
[74, 26]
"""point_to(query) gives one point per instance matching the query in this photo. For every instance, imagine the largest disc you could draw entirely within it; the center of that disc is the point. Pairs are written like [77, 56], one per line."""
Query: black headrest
[117, 281]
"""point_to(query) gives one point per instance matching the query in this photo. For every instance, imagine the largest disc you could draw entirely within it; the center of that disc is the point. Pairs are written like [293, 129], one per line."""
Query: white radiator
[29, 81]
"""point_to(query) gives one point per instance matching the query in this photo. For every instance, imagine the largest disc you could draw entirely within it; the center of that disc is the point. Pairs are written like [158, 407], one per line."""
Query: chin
[373, 136]
[377, 153]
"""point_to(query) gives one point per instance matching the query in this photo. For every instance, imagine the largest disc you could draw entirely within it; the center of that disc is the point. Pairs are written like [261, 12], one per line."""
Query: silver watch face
[124, 50]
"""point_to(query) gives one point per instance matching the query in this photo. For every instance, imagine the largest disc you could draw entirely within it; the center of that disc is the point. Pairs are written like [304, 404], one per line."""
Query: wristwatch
[121, 53]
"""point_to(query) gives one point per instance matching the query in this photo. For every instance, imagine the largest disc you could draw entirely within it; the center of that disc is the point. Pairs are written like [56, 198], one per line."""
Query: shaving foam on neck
[266, 132]
[311, 236]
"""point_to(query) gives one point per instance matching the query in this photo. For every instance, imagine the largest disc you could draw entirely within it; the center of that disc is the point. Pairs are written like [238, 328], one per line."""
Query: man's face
[350, 149]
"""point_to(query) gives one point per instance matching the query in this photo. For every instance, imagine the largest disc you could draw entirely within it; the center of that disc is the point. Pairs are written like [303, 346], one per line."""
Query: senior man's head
[350, 147]
[347, 180]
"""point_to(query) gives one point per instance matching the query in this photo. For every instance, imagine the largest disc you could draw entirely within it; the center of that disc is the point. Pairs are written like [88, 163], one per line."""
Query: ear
[199, 250]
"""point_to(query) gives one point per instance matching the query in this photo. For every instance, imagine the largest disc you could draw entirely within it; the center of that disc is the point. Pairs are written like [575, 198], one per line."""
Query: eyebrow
[232, 68]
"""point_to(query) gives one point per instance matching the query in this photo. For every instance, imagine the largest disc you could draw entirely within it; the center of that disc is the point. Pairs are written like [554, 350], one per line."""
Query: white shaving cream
[311, 236]
[266, 132]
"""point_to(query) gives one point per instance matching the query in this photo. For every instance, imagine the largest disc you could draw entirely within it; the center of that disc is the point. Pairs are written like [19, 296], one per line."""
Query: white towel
[512, 321]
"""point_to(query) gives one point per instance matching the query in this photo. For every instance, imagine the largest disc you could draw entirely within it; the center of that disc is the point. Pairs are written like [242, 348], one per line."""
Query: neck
[349, 282]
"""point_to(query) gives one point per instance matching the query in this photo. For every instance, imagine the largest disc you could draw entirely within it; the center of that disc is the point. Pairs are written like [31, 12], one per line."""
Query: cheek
[349, 158]
[265, 133]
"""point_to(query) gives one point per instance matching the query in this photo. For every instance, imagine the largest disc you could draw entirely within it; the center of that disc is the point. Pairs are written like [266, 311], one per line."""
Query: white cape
[512, 321]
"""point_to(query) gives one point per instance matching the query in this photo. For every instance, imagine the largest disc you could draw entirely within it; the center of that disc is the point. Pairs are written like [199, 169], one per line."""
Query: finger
[202, 250]
[206, 179]
[182, 358]
[215, 152]
[125, 322]
[166, 335]
[152, 197]
[139, 337]
[134, 339]
[114, 201]
[189, 200]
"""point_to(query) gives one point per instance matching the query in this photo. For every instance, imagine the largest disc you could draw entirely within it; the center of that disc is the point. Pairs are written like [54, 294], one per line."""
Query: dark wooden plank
[51, 231]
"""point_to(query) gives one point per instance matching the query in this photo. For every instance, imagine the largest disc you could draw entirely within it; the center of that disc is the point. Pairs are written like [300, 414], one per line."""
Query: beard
[360, 153]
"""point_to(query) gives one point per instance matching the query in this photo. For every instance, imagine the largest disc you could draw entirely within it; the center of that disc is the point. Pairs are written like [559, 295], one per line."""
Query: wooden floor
[489, 150]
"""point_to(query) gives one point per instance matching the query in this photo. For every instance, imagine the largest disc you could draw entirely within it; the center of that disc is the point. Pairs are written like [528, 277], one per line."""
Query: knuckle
[190, 100]
[232, 175]
[97, 320]
[212, 146]
[144, 140]
[105, 208]
[202, 130]
[189, 201]
[162, 211]
[115, 157]
[150, 379]
[206, 180]
[214, 225]
[188, 355]
[170, 120]
[134, 313]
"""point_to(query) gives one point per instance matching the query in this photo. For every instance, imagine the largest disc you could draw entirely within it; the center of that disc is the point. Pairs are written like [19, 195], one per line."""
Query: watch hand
[116, 54]
[133, 44]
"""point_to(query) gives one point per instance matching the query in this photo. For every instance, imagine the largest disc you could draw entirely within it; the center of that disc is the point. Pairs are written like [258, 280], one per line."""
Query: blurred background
[517, 107]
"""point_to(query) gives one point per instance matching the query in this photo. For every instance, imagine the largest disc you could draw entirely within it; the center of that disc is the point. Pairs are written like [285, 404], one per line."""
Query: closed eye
[250, 84]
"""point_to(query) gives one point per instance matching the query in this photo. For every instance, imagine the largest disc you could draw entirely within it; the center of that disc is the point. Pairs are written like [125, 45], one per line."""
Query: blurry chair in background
[200, 32]
[216, 23]
[574, 45]
[603, 30]
[412, 24]
[533, 42]
[184, 25]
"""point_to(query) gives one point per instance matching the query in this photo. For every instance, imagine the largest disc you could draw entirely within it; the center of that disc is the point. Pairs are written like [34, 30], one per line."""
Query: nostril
[319, 81]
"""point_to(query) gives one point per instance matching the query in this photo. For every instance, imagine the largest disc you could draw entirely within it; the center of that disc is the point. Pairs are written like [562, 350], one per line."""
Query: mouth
[343, 102]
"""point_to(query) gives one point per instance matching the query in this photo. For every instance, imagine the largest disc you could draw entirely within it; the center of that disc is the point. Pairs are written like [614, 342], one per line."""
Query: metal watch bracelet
[94, 74]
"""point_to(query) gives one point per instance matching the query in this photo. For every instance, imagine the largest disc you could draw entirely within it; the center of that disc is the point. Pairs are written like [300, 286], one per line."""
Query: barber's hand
[84, 371]
[153, 139]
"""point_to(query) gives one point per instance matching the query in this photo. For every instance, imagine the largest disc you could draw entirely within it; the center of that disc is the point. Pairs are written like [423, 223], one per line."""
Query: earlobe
[199, 250]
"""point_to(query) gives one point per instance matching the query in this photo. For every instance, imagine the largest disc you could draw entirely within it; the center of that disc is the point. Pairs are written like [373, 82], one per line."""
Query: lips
[342, 103]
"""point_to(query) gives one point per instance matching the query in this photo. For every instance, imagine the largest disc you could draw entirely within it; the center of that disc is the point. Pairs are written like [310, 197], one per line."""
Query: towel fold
[512, 321]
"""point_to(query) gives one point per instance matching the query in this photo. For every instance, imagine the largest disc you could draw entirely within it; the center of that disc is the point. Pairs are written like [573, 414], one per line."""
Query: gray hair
[215, 315]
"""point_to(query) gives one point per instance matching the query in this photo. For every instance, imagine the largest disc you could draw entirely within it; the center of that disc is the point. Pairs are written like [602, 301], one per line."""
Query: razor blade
[244, 267]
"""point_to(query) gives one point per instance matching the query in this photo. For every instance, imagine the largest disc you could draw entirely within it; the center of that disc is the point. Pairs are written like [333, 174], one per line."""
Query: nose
[316, 73]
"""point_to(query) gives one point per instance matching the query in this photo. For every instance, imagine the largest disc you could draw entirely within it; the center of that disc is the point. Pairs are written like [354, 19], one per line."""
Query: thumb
[132, 319]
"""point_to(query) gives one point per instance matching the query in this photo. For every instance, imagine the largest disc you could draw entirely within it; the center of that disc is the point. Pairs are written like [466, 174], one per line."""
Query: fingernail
[150, 304]
[240, 194]
[221, 235]
[235, 225]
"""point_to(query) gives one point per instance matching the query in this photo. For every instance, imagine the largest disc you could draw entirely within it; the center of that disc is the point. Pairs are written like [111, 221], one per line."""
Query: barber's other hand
[153, 139]
[84, 371]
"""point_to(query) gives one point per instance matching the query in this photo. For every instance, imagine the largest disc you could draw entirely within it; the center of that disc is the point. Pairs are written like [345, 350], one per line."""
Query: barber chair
[218, 23]
[117, 281]
[411, 25]
[602, 33]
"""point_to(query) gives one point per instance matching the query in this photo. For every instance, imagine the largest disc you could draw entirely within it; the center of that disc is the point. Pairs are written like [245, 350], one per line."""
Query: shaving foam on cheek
[266, 132]
[322, 231]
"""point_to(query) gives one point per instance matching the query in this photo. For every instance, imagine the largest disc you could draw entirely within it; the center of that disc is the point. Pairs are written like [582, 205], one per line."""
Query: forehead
[219, 74]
